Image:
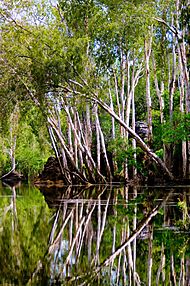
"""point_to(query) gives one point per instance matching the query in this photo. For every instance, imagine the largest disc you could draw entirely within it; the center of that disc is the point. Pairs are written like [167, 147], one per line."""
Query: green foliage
[30, 156]
[174, 131]
[4, 160]
[160, 153]
[122, 151]
[177, 130]
[32, 147]
[23, 235]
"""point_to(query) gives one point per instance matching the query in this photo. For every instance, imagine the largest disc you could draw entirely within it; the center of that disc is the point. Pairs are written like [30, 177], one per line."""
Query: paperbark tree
[68, 64]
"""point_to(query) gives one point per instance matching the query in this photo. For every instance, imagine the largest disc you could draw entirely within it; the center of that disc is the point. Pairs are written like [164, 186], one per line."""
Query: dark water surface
[100, 235]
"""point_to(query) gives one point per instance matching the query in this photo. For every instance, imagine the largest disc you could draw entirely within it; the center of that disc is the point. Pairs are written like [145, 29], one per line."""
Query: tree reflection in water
[101, 235]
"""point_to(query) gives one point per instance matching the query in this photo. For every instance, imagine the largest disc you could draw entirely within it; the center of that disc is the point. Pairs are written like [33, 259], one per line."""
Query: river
[95, 235]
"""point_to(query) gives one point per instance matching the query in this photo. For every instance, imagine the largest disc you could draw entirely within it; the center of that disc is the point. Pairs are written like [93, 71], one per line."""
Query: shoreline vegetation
[99, 90]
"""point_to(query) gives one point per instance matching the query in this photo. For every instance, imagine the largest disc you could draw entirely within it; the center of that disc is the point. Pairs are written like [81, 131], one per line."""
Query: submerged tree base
[12, 178]
[52, 176]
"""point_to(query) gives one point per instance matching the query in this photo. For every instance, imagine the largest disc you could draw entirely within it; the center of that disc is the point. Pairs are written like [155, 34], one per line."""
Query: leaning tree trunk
[75, 171]
[140, 226]
[100, 137]
[134, 135]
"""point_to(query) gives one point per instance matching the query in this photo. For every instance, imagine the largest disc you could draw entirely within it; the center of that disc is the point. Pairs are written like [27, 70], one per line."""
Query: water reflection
[23, 233]
[99, 235]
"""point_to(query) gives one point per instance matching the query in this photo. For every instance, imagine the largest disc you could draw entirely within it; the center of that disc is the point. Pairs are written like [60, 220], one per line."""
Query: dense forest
[102, 85]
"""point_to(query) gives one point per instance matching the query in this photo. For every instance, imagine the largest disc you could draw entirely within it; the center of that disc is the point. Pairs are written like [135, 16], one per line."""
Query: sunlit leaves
[178, 130]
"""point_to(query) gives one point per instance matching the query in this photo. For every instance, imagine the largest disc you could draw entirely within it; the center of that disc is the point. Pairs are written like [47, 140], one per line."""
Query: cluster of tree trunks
[76, 97]
[83, 153]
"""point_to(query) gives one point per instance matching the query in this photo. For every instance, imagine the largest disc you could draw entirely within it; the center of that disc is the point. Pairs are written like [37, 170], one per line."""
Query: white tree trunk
[148, 49]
